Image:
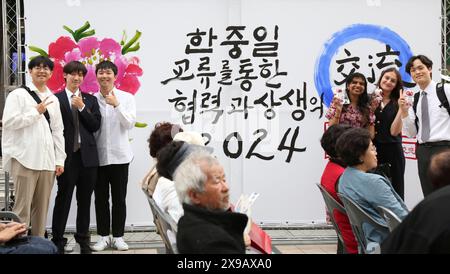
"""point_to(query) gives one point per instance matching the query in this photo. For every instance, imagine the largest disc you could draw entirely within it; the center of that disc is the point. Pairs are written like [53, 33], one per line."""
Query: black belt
[436, 144]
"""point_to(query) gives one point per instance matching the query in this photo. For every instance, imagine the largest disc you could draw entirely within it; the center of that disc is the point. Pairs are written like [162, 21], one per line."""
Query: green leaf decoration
[38, 50]
[124, 38]
[135, 48]
[129, 46]
[85, 27]
[140, 125]
[87, 34]
[69, 30]
[81, 32]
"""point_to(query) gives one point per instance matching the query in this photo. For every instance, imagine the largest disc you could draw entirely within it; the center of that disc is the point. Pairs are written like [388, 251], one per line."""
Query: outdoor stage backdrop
[254, 76]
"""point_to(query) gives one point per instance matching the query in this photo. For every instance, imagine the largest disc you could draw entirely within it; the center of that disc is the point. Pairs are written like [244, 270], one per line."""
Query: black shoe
[60, 244]
[60, 248]
[85, 249]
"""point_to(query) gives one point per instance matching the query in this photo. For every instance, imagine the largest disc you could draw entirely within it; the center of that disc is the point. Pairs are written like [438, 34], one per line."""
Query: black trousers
[392, 153]
[117, 177]
[424, 152]
[75, 174]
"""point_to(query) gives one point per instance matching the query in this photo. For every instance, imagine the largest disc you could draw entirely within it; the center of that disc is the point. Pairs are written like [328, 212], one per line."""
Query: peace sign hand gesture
[42, 106]
[403, 102]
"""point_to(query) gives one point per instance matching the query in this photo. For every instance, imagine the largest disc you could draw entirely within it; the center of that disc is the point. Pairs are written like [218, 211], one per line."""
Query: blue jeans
[29, 245]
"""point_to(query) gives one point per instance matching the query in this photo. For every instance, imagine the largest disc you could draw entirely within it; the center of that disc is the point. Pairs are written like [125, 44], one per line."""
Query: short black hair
[329, 138]
[352, 144]
[425, 60]
[439, 170]
[41, 61]
[75, 66]
[164, 157]
[106, 64]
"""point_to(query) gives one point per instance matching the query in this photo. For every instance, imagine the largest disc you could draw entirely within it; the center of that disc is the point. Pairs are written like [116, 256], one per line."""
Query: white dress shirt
[112, 138]
[439, 117]
[26, 134]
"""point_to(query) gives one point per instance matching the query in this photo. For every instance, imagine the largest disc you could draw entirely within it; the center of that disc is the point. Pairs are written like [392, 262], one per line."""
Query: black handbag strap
[38, 100]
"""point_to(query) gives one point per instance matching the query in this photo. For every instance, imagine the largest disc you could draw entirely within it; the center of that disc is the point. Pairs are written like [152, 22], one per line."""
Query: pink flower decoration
[133, 69]
[58, 49]
[121, 63]
[88, 46]
[91, 51]
[74, 55]
[56, 82]
[129, 83]
[90, 81]
[127, 75]
[134, 60]
[109, 47]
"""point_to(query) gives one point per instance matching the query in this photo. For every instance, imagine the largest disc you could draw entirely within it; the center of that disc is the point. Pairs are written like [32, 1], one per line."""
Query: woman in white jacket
[165, 195]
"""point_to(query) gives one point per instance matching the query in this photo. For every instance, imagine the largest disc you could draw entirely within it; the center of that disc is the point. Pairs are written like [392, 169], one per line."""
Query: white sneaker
[102, 243]
[68, 249]
[119, 244]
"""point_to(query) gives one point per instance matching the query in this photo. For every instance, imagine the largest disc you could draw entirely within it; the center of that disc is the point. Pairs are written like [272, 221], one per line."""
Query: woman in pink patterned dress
[358, 113]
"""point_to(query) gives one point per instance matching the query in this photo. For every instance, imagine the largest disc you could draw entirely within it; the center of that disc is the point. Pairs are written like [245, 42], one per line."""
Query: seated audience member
[168, 160]
[12, 241]
[206, 226]
[368, 190]
[333, 170]
[426, 229]
[160, 137]
[439, 170]
[165, 194]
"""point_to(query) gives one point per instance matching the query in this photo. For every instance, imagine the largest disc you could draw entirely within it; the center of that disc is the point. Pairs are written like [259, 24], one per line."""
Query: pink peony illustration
[90, 50]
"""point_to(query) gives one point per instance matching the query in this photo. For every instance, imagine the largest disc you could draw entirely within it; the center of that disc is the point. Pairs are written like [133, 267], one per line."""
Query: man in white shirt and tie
[33, 147]
[118, 109]
[433, 120]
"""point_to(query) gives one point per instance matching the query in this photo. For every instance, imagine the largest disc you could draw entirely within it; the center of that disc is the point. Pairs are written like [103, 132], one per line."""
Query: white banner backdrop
[254, 76]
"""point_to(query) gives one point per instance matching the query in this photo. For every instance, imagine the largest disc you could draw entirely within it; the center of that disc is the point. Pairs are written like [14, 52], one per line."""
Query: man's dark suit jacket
[89, 122]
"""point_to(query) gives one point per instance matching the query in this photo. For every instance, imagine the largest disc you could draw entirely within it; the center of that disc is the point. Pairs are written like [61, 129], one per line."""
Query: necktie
[425, 122]
[76, 125]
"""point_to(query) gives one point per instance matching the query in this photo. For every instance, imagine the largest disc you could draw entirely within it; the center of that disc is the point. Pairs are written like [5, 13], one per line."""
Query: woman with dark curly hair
[368, 190]
[159, 138]
[358, 112]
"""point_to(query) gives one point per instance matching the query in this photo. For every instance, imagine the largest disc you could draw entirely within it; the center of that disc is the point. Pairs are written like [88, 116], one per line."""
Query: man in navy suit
[81, 118]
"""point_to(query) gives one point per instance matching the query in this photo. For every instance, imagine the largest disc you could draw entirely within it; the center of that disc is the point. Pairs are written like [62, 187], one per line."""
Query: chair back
[166, 225]
[390, 217]
[358, 217]
[333, 205]
[9, 216]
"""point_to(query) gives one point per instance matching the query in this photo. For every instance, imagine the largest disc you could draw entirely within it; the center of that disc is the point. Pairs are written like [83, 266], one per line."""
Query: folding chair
[166, 225]
[333, 205]
[9, 216]
[391, 218]
[358, 217]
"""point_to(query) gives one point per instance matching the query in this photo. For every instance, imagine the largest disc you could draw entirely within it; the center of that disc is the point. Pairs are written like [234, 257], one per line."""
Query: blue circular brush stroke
[353, 32]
